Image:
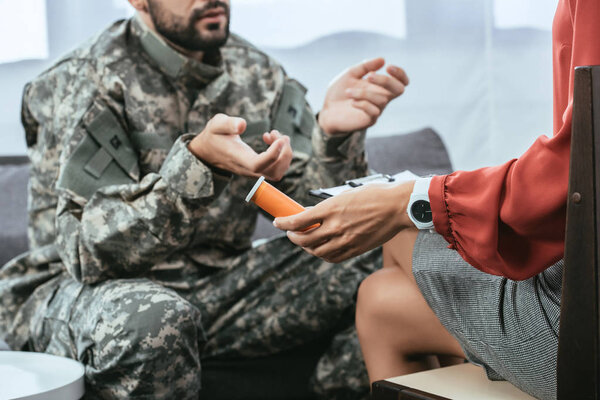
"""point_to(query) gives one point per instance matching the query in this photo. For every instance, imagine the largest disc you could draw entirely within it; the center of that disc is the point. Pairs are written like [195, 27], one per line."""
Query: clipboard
[325, 193]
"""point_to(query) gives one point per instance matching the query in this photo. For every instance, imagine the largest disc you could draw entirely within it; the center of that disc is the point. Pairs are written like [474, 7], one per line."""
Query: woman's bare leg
[397, 252]
[398, 332]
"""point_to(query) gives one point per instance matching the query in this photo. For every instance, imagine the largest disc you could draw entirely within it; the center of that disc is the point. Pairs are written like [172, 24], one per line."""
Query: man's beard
[184, 33]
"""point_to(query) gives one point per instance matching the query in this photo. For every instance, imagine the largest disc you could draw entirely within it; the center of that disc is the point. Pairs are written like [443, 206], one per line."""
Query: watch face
[421, 211]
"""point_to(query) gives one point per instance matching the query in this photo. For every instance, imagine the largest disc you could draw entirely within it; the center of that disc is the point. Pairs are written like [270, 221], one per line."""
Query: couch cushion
[13, 211]
[421, 152]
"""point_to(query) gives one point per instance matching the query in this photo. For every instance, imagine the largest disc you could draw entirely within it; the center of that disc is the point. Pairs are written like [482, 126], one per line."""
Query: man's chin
[200, 39]
[214, 38]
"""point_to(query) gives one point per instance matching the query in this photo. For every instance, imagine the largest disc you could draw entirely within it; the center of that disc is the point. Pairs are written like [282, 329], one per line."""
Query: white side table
[39, 376]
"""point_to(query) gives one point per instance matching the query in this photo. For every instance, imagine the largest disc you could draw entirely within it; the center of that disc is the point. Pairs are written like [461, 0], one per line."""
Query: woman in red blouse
[508, 222]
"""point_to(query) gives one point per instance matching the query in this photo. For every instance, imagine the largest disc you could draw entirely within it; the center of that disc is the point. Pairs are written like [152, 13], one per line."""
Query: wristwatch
[419, 208]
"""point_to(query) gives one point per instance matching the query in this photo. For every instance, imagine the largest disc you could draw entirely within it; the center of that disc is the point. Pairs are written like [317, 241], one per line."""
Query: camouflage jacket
[113, 186]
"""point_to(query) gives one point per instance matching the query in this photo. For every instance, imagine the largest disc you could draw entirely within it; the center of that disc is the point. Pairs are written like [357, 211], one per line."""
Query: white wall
[480, 69]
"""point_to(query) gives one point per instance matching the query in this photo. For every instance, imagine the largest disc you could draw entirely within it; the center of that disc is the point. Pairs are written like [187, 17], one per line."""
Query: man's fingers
[398, 73]
[370, 94]
[360, 70]
[371, 109]
[270, 137]
[277, 170]
[222, 124]
[265, 159]
[391, 84]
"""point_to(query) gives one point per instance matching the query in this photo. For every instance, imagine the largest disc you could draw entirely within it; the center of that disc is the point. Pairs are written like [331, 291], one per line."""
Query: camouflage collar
[170, 61]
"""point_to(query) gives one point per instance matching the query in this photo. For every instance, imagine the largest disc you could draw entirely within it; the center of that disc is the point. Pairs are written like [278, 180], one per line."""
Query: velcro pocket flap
[292, 117]
[288, 119]
[151, 141]
[109, 133]
[90, 168]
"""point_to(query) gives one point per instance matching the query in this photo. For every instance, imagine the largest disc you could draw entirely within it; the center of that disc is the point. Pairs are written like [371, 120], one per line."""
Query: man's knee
[138, 315]
[148, 333]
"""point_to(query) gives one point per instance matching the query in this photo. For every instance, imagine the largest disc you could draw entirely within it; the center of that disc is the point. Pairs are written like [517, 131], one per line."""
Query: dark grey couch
[283, 376]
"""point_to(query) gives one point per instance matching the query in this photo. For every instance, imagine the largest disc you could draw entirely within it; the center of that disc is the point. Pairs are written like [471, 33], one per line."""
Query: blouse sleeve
[510, 220]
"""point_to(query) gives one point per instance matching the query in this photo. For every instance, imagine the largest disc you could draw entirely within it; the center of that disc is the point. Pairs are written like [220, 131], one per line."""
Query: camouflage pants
[145, 338]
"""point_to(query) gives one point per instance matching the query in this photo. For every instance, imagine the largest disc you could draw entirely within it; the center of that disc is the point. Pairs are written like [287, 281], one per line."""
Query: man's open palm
[357, 97]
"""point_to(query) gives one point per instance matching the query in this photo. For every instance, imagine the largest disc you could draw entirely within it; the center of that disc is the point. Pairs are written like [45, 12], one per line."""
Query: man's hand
[357, 97]
[352, 222]
[220, 145]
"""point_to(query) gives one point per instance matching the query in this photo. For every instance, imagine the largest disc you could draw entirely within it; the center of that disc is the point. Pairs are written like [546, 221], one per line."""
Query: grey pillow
[13, 211]
[421, 152]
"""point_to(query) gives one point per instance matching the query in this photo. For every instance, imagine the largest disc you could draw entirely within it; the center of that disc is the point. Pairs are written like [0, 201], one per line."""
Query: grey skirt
[508, 327]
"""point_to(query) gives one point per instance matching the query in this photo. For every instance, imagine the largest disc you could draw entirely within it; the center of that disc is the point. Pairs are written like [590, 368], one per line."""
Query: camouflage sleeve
[320, 160]
[113, 223]
[41, 203]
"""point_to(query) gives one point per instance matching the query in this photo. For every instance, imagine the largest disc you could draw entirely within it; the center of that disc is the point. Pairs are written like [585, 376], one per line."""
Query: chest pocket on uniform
[104, 156]
[293, 117]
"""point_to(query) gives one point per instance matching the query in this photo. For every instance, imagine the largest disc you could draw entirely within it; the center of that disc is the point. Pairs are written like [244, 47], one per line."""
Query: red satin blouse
[509, 220]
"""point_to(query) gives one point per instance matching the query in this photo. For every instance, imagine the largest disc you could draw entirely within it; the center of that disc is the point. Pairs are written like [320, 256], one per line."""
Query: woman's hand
[352, 222]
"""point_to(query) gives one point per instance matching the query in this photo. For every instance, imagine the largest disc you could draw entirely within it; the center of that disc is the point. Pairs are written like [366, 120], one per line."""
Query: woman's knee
[392, 309]
[382, 299]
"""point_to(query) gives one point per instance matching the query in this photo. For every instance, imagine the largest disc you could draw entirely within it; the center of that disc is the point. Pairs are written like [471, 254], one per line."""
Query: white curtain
[480, 69]
[294, 23]
[536, 14]
[23, 30]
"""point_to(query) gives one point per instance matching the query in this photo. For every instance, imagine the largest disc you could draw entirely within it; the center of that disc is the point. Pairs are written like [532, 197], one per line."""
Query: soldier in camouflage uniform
[141, 263]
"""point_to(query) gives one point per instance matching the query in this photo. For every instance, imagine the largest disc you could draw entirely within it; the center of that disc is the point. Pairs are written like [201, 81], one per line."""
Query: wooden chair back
[578, 373]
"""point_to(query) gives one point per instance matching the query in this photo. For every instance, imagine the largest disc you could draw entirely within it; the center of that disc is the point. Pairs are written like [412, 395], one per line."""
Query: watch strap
[422, 187]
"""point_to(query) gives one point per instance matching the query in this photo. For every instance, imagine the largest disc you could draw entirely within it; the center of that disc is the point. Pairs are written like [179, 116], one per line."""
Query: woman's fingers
[308, 240]
[298, 222]
[330, 251]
